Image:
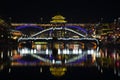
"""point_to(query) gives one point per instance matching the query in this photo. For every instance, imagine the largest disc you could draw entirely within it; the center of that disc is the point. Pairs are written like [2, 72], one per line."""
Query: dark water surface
[72, 73]
[8, 72]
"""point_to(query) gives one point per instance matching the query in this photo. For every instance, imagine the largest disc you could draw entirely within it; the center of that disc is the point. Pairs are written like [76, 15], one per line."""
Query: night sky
[74, 10]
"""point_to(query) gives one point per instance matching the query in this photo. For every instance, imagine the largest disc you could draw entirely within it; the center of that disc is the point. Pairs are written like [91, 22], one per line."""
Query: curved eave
[59, 21]
[58, 17]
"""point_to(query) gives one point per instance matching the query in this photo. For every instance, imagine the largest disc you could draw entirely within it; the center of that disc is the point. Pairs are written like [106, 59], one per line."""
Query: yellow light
[16, 33]
[58, 19]
[58, 71]
[15, 37]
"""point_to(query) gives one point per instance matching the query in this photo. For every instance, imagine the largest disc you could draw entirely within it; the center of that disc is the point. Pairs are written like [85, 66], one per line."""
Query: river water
[57, 72]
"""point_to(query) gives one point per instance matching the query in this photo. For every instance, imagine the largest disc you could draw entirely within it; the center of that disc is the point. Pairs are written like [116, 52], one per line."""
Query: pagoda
[58, 19]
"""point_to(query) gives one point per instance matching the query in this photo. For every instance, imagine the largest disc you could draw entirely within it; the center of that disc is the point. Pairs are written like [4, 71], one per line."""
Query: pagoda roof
[58, 19]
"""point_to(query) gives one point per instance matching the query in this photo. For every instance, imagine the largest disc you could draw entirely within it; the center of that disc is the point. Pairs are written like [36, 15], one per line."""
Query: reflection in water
[59, 52]
[106, 54]
[58, 71]
[110, 52]
[13, 54]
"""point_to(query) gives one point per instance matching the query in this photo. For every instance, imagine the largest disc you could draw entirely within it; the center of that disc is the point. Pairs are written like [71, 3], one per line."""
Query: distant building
[94, 29]
[58, 19]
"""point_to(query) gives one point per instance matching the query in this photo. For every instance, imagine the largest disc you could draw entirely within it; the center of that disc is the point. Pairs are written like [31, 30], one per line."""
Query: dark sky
[73, 10]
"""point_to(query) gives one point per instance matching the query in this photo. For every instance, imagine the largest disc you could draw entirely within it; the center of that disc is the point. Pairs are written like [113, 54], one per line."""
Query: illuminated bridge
[28, 29]
[58, 45]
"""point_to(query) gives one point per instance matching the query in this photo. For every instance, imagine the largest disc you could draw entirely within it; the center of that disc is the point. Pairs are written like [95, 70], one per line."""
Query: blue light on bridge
[23, 27]
[77, 27]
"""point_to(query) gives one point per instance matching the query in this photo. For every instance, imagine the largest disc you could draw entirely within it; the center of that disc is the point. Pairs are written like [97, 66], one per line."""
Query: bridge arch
[73, 47]
[50, 31]
[27, 29]
[78, 28]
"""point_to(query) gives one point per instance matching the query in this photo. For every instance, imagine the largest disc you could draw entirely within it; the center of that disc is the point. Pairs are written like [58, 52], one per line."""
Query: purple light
[78, 27]
[78, 60]
[25, 61]
[22, 27]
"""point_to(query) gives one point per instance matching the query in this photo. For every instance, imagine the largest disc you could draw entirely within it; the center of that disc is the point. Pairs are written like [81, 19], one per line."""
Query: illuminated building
[58, 19]
[93, 29]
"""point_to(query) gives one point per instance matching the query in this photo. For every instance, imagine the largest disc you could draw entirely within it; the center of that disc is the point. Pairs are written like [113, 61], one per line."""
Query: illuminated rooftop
[58, 19]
